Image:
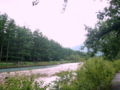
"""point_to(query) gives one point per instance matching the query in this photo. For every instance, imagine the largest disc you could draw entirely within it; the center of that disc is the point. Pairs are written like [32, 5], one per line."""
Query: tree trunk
[7, 49]
[1, 47]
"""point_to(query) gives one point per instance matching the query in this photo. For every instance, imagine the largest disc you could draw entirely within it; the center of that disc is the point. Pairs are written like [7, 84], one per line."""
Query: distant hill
[78, 48]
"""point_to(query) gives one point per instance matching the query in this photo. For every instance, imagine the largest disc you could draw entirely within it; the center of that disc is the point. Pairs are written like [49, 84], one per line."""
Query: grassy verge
[27, 64]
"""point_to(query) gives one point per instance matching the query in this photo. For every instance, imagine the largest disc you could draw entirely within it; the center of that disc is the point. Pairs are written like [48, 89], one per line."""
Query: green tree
[3, 22]
[105, 36]
[64, 5]
[18, 43]
[9, 31]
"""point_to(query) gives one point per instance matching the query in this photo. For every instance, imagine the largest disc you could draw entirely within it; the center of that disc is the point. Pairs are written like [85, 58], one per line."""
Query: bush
[117, 65]
[95, 74]
[63, 83]
[22, 82]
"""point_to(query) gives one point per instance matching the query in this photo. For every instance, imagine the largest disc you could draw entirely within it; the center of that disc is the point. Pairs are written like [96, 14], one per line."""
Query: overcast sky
[66, 28]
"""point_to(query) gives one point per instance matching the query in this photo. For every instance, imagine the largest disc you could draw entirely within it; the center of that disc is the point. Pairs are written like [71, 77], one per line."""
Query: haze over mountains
[78, 48]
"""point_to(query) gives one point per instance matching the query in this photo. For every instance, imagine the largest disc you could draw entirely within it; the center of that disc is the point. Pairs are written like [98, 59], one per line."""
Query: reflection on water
[25, 68]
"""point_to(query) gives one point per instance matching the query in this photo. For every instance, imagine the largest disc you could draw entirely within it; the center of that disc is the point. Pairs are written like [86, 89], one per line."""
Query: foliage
[73, 58]
[63, 73]
[117, 65]
[63, 83]
[22, 82]
[118, 56]
[64, 5]
[105, 36]
[95, 74]
[18, 44]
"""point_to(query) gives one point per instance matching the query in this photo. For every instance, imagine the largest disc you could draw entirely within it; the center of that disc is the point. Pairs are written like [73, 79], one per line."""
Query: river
[26, 68]
[48, 71]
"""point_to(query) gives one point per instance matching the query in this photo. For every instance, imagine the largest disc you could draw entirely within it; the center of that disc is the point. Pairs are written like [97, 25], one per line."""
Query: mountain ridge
[78, 48]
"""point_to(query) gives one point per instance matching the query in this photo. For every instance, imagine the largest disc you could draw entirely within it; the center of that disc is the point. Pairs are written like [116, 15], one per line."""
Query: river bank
[4, 65]
[47, 74]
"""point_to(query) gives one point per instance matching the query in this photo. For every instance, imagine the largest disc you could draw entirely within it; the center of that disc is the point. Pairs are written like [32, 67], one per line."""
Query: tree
[3, 21]
[64, 5]
[105, 36]
[9, 31]
[18, 43]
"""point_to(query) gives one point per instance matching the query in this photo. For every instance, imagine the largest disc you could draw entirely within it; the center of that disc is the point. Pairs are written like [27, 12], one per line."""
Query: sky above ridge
[66, 28]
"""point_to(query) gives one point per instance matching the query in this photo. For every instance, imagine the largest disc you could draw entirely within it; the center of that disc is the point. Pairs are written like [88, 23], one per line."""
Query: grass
[26, 64]
[63, 73]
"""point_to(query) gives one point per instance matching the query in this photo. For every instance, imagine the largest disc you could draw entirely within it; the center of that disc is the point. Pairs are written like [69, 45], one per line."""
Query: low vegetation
[70, 59]
[25, 64]
[21, 82]
[117, 65]
[95, 74]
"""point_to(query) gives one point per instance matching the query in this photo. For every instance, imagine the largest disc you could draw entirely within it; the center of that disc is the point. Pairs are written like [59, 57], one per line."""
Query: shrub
[117, 65]
[63, 83]
[95, 74]
[22, 82]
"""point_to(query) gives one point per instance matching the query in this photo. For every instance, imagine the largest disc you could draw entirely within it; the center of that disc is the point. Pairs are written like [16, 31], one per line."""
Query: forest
[19, 43]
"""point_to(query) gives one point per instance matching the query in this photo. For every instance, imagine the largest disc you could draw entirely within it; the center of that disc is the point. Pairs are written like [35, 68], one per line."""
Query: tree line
[19, 43]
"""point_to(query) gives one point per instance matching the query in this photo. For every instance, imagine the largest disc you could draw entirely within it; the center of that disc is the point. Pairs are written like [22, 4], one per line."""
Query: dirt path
[116, 82]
